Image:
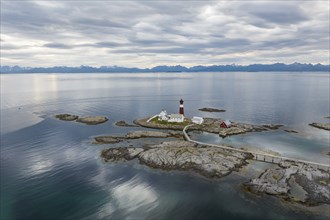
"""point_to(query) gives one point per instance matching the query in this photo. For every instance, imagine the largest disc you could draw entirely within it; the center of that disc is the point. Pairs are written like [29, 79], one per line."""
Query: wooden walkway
[264, 157]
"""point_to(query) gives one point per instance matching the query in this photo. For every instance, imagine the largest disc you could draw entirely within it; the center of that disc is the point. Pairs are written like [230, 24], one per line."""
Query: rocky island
[211, 162]
[67, 117]
[211, 125]
[211, 110]
[155, 123]
[296, 182]
[324, 126]
[125, 124]
[136, 135]
[89, 120]
[92, 120]
[292, 181]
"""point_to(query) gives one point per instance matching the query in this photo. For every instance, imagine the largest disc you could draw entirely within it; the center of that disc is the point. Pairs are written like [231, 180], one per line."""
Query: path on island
[264, 157]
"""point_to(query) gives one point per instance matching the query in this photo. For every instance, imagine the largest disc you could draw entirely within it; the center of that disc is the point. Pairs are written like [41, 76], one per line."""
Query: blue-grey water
[51, 170]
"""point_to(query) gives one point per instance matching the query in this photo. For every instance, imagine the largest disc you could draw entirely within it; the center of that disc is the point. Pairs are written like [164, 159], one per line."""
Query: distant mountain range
[276, 67]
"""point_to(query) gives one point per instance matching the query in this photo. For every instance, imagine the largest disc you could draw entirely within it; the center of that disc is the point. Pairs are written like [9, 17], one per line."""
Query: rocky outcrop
[281, 181]
[125, 124]
[120, 154]
[136, 135]
[67, 117]
[211, 110]
[211, 162]
[144, 134]
[92, 120]
[106, 140]
[324, 126]
[224, 132]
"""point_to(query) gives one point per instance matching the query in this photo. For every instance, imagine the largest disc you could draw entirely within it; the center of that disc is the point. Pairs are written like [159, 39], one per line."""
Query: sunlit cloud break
[149, 33]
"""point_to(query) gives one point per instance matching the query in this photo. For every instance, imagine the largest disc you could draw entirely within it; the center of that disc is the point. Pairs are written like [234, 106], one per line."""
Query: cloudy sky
[149, 33]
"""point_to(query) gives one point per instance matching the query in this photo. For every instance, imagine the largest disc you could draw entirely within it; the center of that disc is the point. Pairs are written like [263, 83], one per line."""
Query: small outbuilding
[197, 120]
[225, 124]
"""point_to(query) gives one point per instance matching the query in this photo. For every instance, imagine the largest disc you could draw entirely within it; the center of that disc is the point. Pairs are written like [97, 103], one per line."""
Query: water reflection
[133, 196]
[51, 169]
[286, 144]
[128, 197]
[53, 85]
[38, 90]
[39, 167]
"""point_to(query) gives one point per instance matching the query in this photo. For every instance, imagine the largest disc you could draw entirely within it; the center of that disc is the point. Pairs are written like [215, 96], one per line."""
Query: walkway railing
[258, 156]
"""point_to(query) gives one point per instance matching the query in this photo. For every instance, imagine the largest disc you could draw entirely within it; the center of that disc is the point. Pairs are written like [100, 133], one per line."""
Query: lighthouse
[181, 111]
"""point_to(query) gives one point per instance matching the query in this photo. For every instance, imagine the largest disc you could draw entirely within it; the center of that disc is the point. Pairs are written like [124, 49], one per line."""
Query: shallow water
[50, 169]
[289, 145]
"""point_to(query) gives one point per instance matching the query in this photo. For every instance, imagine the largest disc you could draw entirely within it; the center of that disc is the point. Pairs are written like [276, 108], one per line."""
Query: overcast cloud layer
[150, 33]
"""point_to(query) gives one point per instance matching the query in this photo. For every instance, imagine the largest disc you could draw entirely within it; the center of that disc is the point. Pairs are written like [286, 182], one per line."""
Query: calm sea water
[50, 169]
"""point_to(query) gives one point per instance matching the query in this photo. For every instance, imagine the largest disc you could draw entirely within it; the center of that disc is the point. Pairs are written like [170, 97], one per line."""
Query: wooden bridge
[264, 157]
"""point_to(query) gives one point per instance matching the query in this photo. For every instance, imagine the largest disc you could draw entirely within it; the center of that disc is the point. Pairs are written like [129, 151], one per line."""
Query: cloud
[106, 44]
[278, 12]
[57, 45]
[149, 33]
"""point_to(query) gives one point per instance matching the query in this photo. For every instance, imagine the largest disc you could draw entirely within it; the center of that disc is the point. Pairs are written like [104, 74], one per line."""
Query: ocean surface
[51, 170]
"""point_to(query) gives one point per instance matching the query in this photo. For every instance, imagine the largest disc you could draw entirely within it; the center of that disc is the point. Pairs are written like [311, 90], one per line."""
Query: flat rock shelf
[211, 162]
[137, 135]
[92, 120]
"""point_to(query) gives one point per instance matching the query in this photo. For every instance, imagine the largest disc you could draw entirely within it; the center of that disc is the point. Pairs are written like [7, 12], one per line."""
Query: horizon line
[166, 65]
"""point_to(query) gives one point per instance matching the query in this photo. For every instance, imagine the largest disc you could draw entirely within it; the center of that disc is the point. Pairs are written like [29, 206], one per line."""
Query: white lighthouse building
[163, 116]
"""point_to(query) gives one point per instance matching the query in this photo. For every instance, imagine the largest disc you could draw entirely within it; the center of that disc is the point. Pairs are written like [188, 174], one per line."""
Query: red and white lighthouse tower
[181, 111]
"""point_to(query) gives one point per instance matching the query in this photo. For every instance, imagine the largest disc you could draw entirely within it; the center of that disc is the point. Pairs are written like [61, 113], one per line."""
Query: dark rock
[272, 127]
[324, 126]
[106, 140]
[211, 110]
[120, 154]
[67, 117]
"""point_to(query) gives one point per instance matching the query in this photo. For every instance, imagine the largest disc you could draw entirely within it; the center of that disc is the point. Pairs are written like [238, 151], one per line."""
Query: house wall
[176, 119]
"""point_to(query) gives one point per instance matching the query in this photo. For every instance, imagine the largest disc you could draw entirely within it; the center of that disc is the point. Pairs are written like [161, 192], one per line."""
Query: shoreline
[186, 156]
[211, 125]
